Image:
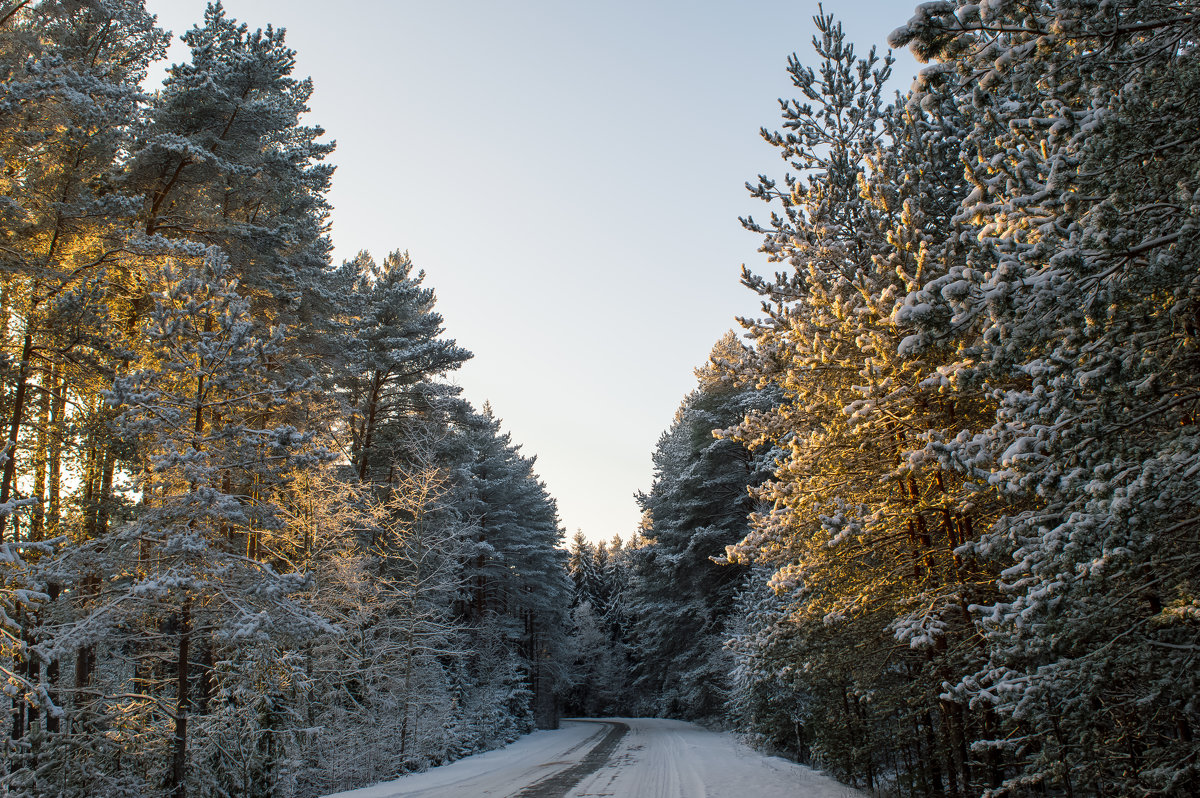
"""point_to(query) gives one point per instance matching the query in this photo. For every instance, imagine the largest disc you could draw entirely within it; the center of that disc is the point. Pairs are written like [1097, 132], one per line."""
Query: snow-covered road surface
[617, 758]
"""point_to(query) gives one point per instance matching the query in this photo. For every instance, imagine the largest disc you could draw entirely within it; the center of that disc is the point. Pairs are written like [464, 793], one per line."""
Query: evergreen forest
[930, 521]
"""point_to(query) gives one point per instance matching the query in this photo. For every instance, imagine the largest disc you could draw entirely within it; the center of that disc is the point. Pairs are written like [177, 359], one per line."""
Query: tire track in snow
[561, 783]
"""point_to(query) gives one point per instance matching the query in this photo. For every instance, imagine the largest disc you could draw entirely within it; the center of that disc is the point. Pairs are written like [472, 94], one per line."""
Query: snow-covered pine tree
[70, 91]
[581, 564]
[616, 575]
[810, 345]
[69, 94]
[69, 75]
[177, 646]
[766, 704]
[388, 351]
[194, 619]
[1078, 311]
[223, 159]
[31, 693]
[866, 515]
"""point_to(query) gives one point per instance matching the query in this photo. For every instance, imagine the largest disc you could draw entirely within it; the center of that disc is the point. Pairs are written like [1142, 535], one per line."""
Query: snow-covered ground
[654, 759]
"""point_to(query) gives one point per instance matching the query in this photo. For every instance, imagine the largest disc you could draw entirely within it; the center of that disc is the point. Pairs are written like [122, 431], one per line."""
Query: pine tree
[195, 595]
[1077, 310]
[195, 568]
[389, 352]
[222, 159]
[867, 512]
[581, 564]
[601, 629]
[71, 74]
[70, 77]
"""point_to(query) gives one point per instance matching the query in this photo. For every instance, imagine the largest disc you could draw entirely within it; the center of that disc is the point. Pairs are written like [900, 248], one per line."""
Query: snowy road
[616, 758]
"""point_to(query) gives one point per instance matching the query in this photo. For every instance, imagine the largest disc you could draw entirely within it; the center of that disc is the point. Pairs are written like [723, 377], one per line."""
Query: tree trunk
[949, 748]
[37, 528]
[58, 407]
[85, 656]
[14, 428]
[995, 763]
[18, 701]
[90, 486]
[921, 772]
[204, 693]
[369, 429]
[52, 671]
[106, 492]
[964, 755]
[33, 673]
[935, 770]
[178, 777]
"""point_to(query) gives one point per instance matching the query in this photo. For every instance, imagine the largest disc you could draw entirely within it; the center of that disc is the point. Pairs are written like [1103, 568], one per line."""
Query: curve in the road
[562, 782]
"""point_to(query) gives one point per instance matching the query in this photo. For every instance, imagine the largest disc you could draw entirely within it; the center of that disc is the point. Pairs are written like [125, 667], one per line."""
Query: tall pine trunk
[37, 528]
[54, 449]
[178, 776]
[14, 427]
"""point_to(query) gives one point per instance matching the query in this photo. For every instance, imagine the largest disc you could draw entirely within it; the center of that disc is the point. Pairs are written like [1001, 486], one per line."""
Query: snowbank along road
[616, 758]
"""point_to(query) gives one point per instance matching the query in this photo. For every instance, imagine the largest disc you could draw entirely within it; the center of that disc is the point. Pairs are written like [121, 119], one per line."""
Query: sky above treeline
[570, 177]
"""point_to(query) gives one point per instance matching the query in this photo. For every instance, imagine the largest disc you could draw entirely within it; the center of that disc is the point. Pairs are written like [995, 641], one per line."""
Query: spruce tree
[697, 506]
[515, 570]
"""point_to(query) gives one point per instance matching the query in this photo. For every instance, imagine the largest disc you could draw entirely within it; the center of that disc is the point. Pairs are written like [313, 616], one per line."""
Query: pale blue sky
[569, 175]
